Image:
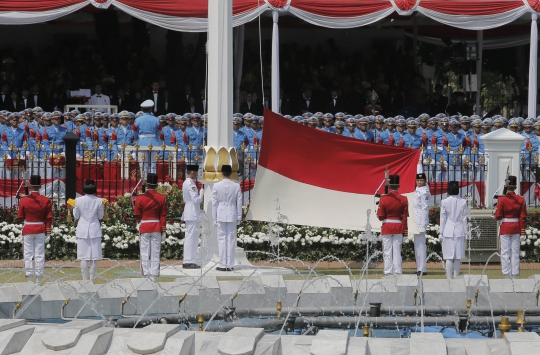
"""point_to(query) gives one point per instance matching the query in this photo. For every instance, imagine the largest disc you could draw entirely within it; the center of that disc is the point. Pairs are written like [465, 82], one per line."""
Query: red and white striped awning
[191, 15]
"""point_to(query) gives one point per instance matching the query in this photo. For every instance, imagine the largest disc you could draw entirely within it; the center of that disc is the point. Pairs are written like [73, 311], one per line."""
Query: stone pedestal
[503, 148]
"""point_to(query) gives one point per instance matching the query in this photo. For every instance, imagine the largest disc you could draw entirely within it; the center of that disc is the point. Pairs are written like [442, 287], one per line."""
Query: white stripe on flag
[310, 205]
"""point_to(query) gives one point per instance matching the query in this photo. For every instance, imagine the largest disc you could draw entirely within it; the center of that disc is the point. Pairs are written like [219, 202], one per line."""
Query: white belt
[391, 221]
[33, 223]
[510, 220]
[147, 136]
[150, 221]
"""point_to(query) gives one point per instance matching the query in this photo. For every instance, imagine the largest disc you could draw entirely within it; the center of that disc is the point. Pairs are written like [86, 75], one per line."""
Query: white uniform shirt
[100, 100]
[454, 213]
[421, 207]
[88, 210]
[192, 199]
[227, 201]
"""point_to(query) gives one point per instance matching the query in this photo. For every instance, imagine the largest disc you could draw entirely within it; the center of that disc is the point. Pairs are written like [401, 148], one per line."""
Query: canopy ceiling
[191, 15]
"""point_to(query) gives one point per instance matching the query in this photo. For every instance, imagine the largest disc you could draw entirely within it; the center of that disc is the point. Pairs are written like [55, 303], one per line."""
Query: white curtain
[340, 22]
[275, 63]
[30, 17]
[187, 24]
[533, 58]
[482, 22]
[238, 63]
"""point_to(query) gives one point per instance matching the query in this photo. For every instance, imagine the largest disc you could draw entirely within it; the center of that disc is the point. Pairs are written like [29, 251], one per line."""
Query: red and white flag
[324, 179]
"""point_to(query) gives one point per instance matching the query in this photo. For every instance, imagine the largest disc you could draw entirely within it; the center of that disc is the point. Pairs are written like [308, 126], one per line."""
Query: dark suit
[38, 100]
[303, 105]
[336, 105]
[183, 102]
[123, 104]
[4, 101]
[252, 107]
[200, 108]
[26, 102]
[285, 108]
[160, 102]
[14, 106]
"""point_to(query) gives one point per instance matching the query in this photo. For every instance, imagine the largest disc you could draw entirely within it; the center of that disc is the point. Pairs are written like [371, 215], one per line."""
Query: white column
[479, 55]
[238, 63]
[275, 63]
[503, 148]
[531, 104]
[220, 98]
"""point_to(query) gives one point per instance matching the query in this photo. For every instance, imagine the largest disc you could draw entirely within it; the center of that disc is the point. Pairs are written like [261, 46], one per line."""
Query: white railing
[110, 108]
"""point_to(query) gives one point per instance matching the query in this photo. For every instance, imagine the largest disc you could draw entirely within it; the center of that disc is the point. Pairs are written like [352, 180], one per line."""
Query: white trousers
[34, 249]
[150, 244]
[420, 251]
[392, 253]
[510, 244]
[84, 269]
[452, 265]
[191, 242]
[226, 236]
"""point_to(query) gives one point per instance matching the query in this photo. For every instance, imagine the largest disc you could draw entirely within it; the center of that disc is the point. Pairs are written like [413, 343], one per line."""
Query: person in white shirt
[89, 210]
[421, 215]
[192, 210]
[453, 229]
[99, 99]
[227, 213]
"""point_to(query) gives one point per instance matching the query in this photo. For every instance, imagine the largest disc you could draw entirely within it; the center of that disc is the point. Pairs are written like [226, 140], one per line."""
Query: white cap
[148, 103]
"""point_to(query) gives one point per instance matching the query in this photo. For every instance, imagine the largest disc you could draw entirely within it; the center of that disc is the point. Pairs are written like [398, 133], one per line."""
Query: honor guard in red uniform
[151, 211]
[35, 211]
[512, 212]
[393, 212]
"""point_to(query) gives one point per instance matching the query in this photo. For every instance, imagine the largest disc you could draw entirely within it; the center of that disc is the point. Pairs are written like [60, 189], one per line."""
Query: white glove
[47, 239]
[422, 229]
[215, 223]
[163, 236]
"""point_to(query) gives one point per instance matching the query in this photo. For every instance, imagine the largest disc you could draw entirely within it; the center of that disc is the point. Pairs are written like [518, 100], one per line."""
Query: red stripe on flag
[332, 161]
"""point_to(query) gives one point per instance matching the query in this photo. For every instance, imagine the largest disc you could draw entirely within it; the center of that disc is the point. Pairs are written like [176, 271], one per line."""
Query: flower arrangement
[121, 239]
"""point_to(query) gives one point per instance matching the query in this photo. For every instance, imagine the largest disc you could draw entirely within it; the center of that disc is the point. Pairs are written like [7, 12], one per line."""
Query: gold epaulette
[71, 202]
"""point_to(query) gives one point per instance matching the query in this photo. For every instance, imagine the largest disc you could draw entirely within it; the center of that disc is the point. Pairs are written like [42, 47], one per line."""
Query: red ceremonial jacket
[511, 206]
[393, 207]
[35, 208]
[151, 206]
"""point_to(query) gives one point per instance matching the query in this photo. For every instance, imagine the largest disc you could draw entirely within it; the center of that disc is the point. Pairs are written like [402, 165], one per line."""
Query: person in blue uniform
[146, 130]
[13, 135]
[340, 128]
[422, 123]
[465, 122]
[412, 139]
[397, 137]
[453, 148]
[69, 125]
[56, 132]
[474, 153]
[362, 131]
[195, 135]
[239, 137]
[386, 135]
[180, 137]
[328, 123]
[167, 133]
[529, 150]
[378, 130]
[350, 127]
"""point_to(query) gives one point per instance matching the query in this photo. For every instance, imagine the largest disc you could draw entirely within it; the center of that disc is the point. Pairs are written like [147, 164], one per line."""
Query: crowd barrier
[117, 170]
